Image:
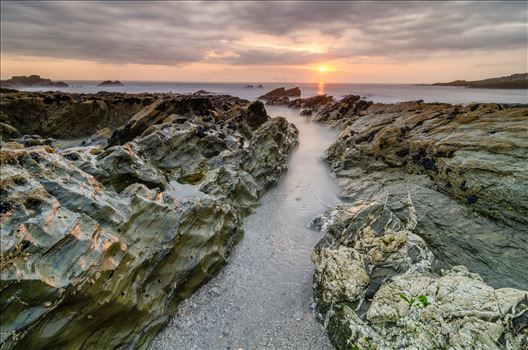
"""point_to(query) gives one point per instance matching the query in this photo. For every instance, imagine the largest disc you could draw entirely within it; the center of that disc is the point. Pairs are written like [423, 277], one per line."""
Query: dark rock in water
[258, 114]
[111, 83]
[259, 86]
[100, 244]
[32, 80]
[314, 103]
[280, 94]
[306, 112]
[248, 86]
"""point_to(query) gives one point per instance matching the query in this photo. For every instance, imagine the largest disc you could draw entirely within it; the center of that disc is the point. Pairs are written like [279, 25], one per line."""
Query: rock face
[110, 83]
[100, 244]
[465, 169]
[280, 96]
[375, 289]
[313, 104]
[514, 81]
[340, 113]
[62, 115]
[32, 80]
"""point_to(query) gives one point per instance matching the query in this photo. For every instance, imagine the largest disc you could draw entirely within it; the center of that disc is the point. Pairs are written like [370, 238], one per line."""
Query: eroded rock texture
[375, 289]
[62, 115]
[465, 168]
[99, 244]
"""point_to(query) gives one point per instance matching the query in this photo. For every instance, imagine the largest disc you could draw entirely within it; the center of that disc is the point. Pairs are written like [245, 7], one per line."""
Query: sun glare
[323, 69]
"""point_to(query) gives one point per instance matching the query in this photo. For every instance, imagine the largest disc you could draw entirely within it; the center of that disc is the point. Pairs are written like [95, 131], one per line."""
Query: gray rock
[100, 245]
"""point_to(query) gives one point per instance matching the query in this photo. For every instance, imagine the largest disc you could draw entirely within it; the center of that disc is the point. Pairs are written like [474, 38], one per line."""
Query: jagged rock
[99, 245]
[375, 288]
[343, 111]
[377, 284]
[280, 96]
[314, 103]
[68, 116]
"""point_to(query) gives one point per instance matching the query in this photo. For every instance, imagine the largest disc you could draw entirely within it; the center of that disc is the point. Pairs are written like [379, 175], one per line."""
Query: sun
[323, 69]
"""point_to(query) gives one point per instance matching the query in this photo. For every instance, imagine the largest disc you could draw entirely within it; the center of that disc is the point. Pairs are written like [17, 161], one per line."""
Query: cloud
[171, 33]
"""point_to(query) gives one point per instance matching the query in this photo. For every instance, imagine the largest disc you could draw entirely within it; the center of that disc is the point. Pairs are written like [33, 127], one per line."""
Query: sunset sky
[369, 42]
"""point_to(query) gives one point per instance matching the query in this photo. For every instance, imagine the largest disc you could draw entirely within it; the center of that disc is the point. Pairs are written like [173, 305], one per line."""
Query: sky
[242, 41]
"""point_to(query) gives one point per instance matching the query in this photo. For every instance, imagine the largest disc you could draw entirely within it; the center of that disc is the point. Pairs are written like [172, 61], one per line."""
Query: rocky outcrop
[514, 81]
[111, 83]
[280, 96]
[68, 116]
[99, 244]
[388, 273]
[375, 288]
[312, 104]
[31, 81]
[340, 113]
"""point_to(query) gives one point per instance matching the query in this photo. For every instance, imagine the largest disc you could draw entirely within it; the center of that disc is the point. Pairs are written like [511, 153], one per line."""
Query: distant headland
[514, 81]
[32, 80]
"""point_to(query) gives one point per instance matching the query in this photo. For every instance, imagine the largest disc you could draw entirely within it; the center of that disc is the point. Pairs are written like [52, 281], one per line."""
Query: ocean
[386, 93]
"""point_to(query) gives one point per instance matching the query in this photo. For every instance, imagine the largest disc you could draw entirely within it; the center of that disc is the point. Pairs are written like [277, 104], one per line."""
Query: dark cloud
[181, 32]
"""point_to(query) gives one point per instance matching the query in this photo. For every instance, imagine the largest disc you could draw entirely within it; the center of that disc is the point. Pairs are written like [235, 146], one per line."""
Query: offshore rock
[31, 80]
[314, 103]
[281, 92]
[375, 288]
[280, 96]
[99, 245]
[110, 83]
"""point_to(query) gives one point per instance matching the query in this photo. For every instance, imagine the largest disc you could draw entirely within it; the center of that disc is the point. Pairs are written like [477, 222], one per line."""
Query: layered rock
[312, 104]
[375, 288]
[100, 244]
[67, 116]
[280, 96]
[465, 168]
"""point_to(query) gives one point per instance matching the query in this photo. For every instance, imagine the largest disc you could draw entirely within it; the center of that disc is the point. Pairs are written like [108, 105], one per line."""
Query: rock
[99, 245]
[68, 116]
[379, 280]
[280, 95]
[375, 288]
[465, 181]
[343, 111]
[314, 103]
[306, 112]
[7, 131]
[514, 81]
[32, 80]
[111, 83]
[248, 86]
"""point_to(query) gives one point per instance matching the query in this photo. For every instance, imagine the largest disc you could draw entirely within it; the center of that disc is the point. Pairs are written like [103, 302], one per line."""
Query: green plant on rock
[419, 301]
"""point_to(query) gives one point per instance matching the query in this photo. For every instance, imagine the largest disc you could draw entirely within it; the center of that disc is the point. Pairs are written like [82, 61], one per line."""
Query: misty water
[385, 93]
[263, 298]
